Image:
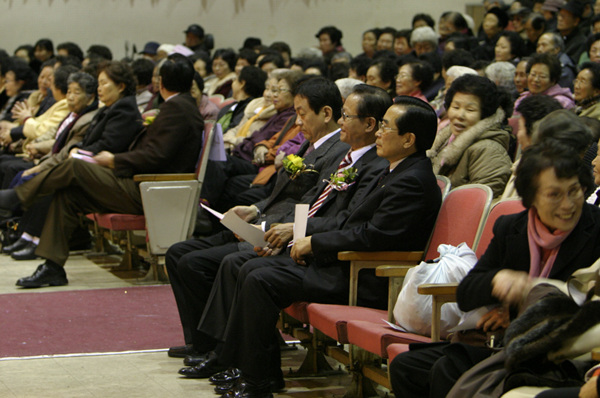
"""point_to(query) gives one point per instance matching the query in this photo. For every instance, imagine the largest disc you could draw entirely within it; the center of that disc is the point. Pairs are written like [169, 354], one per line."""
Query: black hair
[458, 57]
[227, 55]
[423, 17]
[281, 47]
[61, 77]
[46, 44]
[143, 69]
[255, 79]
[419, 118]
[176, 73]
[421, 72]
[550, 61]
[335, 35]
[199, 81]
[565, 162]
[249, 55]
[591, 40]
[71, 60]
[565, 127]
[461, 41]
[595, 69]
[4, 62]
[23, 72]
[387, 70]
[119, 72]
[276, 59]
[49, 63]
[501, 15]
[538, 22]
[316, 63]
[339, 70]
[86, 81]
[536, 107]
[204, 56]
[100, 51]
[361, 65]
[388, 29]
[517, 46]
[481, 87]
[72, 49]
[433, 60]
[403, 33]
[459, 22]
[320, 92]
[374, 101]
[26, 47]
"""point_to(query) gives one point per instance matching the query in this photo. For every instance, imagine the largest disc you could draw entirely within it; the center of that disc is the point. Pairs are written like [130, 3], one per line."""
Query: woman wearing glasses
[472, 148]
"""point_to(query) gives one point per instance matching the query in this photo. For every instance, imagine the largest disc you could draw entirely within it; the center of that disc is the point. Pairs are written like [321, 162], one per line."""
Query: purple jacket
[245, 150]
[561, 94]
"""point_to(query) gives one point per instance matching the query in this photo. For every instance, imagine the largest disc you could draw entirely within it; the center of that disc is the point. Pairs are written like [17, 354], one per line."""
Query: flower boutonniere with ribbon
[295, 166]
[149, 120]
[343, 179]
[149, 117]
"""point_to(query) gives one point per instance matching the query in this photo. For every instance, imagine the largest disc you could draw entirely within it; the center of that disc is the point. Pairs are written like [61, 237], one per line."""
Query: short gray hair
[86, 81]
[557, 40]
[346, 84]
[424, 33]
[501, 73]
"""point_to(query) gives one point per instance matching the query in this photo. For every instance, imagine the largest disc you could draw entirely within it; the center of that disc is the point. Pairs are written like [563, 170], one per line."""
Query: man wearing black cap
[194, 37]
[567, 24]
[149, 50]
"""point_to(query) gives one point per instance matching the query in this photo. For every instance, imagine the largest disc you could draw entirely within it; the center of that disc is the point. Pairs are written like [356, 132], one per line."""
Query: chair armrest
[380, 256]
[441, 293]
[596, 354]
[438, 289]
[392, 271]
[163, 177]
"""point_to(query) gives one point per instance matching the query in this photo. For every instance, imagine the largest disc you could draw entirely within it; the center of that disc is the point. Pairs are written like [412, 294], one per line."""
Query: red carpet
[104, 320]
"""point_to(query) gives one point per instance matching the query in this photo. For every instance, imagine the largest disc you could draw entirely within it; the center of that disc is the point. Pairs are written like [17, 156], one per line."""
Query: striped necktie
[347, 161]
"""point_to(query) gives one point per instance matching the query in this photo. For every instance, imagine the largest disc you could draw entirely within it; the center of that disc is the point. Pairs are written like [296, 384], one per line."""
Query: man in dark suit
[169, 145]
[363, 109]
[397, 212]
[193, 264]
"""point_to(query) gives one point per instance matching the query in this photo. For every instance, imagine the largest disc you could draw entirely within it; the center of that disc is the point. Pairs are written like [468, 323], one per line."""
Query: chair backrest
[508, 206]
[444, 184]
[206, 145]
[226, 102]
[461, 217]
[216, 99]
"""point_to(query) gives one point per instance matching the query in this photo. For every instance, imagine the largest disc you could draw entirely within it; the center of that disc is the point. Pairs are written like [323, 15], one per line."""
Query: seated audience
[472, 149]
[503, 75]
[520, 79]
[330, 42]
[552, 43]
[143, 70]
[412, 78]
[223, 66]
[423, 40]
[587, 90]
[509, 47]
[369, 43]
[556, 235]
[19, 80]
[208, 109]
[385, 41]
[382, 74]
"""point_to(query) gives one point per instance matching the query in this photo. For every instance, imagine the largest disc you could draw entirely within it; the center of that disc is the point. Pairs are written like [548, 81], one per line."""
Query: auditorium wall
[117, 22]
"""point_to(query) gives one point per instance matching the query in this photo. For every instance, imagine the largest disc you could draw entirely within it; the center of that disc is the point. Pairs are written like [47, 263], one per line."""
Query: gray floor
[139, 374]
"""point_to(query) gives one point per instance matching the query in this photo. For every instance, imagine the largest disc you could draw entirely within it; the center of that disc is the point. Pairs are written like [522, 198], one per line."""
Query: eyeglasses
[555, 197]
[344, 116]
[385, 128]
[536, 76]
[276, 90]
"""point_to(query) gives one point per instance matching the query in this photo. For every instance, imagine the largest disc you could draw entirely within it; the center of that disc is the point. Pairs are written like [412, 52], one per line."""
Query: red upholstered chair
[444, 184]
[375, 337]
[170, 204]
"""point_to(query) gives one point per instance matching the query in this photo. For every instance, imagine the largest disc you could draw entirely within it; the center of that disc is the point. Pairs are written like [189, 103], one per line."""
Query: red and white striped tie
[347, 161]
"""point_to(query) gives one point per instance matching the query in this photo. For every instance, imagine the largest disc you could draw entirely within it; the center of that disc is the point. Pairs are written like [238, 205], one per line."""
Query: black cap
[150, 48]
[196, 30]
[574, 7]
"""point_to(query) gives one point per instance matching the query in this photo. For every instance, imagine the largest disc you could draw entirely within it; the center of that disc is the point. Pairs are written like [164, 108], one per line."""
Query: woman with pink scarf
[557, 234]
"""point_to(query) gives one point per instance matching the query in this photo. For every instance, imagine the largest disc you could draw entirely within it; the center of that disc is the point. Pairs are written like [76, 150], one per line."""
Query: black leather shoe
[194, 359]
[203, 370]
[26, 253]
[181, 351]
[246, 390]
[274, 386]
[45, 275]
[18, 245]
[228, 376]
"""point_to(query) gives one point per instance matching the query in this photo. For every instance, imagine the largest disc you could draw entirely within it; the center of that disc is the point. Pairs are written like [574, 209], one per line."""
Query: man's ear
[411, 140]
[372, 125]
[328, 112]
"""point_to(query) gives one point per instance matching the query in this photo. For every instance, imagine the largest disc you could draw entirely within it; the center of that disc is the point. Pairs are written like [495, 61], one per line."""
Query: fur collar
[449, 155]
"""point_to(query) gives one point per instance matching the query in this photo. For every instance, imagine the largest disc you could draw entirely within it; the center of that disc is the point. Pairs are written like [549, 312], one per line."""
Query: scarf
[540, 239]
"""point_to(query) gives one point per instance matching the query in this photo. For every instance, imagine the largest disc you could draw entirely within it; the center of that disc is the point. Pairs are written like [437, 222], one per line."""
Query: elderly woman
[256, 114]
[543, 72]
[556, 235]
[587, 90]
[208, 109]
[509, 47]
[472, 149]
[369, 42]
[413, 78]
[382, 74]
[593, 48]
[423, 40]
[223, 66]
[503, 75]
[112, 128]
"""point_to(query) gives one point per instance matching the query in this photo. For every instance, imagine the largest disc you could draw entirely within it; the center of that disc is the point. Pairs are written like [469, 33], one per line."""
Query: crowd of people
[512, 105]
